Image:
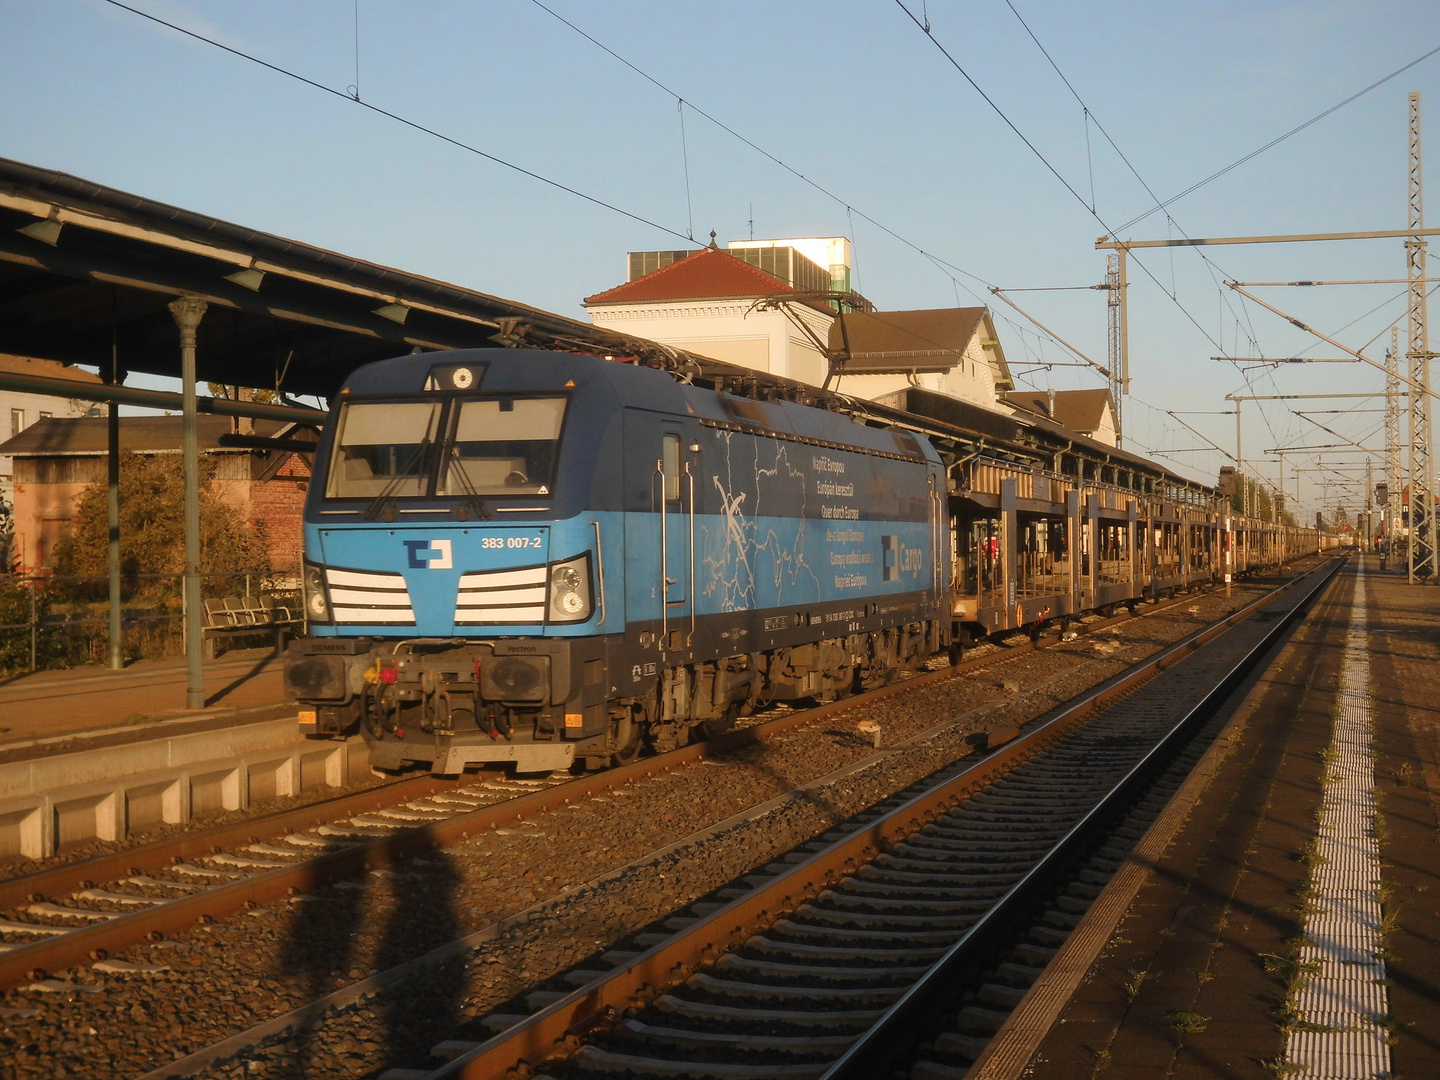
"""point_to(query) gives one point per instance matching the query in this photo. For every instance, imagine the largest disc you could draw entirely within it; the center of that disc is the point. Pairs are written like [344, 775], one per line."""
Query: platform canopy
[83, 265]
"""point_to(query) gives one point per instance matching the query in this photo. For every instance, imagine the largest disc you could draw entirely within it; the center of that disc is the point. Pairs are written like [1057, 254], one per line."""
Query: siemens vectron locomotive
[546, 558]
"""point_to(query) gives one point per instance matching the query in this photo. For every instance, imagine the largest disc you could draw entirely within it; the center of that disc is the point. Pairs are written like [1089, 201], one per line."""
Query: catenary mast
[1422, 562]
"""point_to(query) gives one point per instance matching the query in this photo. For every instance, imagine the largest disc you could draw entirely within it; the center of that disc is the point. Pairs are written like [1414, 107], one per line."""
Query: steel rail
[872, 1053]
[24, 964]
[553, 1031]
[17, 890]
[31, 961]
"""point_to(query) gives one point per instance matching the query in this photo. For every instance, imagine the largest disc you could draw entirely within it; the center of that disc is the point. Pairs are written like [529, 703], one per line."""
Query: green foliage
[152, 531]
[233, 393]
[15, 611]
[1279, 1066]
[7, 536]
[1191, 1022]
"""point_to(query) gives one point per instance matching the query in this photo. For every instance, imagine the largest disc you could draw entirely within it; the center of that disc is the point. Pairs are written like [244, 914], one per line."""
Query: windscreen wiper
[477, 505]
[387, 493]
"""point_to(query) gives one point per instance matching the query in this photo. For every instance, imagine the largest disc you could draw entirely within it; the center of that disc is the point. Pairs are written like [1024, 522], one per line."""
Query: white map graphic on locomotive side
[730, 571]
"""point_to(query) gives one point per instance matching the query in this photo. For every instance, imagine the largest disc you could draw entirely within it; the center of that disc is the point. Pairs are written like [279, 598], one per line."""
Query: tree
[7, 536]
[152, 529]
[1262, 502]
[243, 393]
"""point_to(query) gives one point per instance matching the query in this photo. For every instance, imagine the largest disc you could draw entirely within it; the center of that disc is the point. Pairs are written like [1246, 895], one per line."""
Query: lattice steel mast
[1422, 563]
[1394, 457]
[1113, 311]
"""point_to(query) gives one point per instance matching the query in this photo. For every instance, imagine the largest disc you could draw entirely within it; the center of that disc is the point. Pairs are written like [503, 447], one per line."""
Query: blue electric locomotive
[547, 559]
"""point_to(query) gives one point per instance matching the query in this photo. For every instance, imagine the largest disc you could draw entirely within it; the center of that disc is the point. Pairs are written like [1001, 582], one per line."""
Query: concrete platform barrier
[107, 793]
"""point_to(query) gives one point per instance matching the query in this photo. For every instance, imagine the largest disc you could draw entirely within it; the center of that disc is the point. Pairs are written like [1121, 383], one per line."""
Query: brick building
[55, 458]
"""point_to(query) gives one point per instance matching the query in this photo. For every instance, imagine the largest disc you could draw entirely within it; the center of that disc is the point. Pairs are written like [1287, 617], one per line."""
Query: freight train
[554, 559]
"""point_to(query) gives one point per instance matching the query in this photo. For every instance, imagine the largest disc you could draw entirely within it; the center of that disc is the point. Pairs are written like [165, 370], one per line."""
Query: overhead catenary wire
[511, 165]
[1050, 167]
[412, 124]
[1171, 222]
[850, 208]
[1280, 139]
[944, 266]
[685, 160]
[1160, 205]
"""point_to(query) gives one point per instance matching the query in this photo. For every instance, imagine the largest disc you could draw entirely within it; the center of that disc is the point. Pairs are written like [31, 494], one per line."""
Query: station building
[788, 307]
[710, 302]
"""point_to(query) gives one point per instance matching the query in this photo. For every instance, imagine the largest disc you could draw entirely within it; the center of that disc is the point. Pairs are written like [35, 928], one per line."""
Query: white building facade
[726, 330]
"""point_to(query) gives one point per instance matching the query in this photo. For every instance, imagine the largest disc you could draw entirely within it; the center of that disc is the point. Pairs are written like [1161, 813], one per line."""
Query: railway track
[981, 868]
[83, 911]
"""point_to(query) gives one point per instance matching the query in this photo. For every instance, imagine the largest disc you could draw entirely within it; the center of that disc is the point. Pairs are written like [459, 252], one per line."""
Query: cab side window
[670, 466]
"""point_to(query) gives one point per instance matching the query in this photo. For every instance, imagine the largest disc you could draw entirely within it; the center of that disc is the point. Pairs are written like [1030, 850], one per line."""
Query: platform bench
[242, 616]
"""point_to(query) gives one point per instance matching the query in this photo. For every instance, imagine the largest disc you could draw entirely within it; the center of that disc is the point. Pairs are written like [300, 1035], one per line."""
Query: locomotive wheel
[721, 724]
[626, 735]
[956, 652]
[627, 754]
[370, 717]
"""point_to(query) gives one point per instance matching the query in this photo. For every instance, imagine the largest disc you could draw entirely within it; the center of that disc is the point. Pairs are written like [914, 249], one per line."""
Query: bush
[15, 608]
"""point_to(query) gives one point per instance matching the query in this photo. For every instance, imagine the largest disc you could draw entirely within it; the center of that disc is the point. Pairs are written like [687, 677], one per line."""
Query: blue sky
[850, 93]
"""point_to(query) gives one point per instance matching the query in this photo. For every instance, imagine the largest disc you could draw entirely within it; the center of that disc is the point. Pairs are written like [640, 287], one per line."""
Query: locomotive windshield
[383, 449]
[503, 446]
[496, 446]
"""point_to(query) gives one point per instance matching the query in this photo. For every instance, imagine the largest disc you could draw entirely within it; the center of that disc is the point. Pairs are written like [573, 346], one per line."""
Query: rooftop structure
[811, 264]
[705, 303]
[1090, 412]
[831, 253]
[952, 351]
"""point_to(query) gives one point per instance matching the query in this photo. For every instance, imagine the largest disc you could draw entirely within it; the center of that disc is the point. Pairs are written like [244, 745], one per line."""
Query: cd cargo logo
[429, 554]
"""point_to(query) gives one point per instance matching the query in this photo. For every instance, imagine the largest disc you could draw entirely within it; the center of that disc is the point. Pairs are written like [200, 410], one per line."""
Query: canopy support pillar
[188, 311]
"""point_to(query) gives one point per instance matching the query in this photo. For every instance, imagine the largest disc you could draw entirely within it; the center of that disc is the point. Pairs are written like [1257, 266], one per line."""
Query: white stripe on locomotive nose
[372, 581]
[506, 616]
[502, 597]
[373, 597]
[476, 579]
[374, 616]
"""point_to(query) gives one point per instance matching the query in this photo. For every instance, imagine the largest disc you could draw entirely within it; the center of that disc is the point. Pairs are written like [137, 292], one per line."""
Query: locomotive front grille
[501, 597]
[369, 599]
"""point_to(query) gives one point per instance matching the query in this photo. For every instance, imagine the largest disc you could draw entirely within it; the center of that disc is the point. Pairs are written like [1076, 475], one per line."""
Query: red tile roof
[711, 274]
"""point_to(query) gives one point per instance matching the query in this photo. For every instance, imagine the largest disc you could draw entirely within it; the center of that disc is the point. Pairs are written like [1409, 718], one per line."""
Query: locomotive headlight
[317, 604]
[570, 590]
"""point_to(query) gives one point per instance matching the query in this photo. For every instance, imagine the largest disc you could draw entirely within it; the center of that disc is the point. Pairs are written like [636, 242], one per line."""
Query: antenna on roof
[752, 221]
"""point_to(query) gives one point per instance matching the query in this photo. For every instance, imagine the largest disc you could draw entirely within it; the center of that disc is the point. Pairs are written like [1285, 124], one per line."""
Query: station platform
[46, 711]
[1204, 956]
